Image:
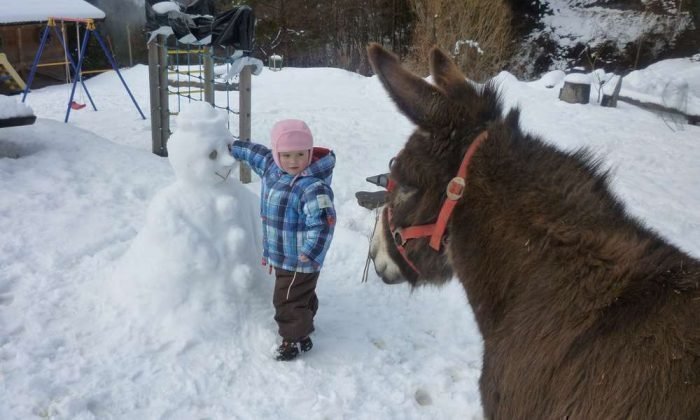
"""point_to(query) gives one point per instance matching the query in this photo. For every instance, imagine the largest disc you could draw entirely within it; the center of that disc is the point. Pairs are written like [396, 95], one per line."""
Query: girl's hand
[303, 258]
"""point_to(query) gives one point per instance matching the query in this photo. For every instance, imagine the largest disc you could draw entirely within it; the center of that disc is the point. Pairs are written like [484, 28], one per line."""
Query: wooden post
[610, 100]
[20, 47]
[208, 75]
[153, 81]
[244, 109]
[158, 82]
[128, 40]
[163, 91]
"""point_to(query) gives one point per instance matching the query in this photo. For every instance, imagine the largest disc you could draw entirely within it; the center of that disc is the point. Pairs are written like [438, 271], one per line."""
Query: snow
[10, 107]
[192, 229]
[130, 285]
[674, 83]
[41, 10]
[552, 78]
[579, 78]
[164, 7]
[578, 21]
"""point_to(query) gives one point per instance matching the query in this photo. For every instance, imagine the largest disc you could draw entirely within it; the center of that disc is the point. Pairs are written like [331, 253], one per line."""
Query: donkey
[584, 312]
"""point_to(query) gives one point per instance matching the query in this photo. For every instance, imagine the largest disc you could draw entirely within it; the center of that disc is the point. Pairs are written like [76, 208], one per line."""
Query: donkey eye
[404, 194]
[213, 155]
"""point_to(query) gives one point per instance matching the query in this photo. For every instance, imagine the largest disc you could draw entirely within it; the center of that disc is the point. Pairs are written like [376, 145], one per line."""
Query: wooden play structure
[186, 73]
[20, 41]
[9, 76]
[187, 66]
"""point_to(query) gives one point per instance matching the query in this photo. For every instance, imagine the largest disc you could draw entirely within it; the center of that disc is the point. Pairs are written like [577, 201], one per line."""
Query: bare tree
[331, 32]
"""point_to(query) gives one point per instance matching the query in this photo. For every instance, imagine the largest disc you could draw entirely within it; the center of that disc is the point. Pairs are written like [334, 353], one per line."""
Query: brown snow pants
[295, 303]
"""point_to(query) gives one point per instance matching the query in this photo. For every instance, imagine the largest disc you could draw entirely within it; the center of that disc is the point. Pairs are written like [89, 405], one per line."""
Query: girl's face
[295, 161]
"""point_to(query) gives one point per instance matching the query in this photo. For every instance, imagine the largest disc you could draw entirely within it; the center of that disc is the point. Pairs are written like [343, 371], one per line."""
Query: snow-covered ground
[119, 301]
[564, 25]
[584, 21]
[12, 108]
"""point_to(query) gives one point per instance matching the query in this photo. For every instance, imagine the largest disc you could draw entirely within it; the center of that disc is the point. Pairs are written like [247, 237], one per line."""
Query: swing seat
[76, 106]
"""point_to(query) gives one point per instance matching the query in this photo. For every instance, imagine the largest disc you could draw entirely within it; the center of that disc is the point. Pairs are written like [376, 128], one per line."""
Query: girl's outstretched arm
[256, 155]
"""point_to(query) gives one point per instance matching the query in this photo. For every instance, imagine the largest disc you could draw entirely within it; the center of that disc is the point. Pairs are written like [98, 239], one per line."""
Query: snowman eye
[213, 155]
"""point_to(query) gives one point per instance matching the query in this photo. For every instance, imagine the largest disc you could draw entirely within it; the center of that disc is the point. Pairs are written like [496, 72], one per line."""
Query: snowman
[193, 267]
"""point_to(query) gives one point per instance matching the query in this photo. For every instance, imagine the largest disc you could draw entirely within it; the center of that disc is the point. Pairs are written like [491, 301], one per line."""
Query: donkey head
[449, 116]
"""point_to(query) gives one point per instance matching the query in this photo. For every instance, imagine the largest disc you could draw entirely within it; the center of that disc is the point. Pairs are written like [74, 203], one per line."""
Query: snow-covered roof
[41, 10]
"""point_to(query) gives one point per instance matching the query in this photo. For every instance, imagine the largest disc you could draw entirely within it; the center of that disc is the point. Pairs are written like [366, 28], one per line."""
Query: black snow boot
[306, 344]
[288, 350]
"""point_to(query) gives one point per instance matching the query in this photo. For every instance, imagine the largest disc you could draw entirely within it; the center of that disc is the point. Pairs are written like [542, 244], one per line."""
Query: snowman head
[198, 149]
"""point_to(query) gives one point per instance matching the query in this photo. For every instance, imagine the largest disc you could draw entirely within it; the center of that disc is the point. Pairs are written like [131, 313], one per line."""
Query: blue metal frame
[76, 72]
[77, 68]
[37, 57]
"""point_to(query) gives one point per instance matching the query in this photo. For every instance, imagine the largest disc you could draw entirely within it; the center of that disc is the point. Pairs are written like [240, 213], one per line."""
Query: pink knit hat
[290, 135]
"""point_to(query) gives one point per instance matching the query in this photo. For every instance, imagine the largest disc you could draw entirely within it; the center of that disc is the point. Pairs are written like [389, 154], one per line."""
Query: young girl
[298, 219]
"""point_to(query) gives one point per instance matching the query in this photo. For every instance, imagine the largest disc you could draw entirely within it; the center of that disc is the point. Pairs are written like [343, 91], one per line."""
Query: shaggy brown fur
[584, 312]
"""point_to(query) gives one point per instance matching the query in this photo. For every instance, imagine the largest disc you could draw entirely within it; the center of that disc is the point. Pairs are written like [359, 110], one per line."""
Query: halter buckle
[455, 188]
[398, 237]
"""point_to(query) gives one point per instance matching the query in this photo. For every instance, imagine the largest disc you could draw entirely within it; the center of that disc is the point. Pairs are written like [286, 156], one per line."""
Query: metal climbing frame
[192, 76]
[182, 72]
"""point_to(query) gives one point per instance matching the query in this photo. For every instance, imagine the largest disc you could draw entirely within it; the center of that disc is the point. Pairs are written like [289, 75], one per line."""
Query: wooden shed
[21, 27]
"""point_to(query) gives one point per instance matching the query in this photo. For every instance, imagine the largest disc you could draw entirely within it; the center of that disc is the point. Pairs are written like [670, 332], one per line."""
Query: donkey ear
[448, 76]
[424, 104]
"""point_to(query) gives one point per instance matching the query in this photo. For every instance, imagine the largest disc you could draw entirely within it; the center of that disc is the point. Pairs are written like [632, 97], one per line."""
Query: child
[298, 219]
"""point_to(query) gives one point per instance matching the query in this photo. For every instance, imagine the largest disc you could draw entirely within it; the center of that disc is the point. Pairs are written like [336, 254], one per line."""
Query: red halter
[436, 231]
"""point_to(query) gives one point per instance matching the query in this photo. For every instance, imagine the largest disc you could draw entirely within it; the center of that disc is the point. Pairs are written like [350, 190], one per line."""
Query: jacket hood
[321, 166]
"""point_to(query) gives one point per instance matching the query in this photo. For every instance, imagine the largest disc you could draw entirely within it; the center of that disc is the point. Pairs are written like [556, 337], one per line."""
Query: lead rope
[365, 272]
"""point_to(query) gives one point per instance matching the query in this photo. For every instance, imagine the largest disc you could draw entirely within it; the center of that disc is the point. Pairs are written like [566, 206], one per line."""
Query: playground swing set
[76, 67]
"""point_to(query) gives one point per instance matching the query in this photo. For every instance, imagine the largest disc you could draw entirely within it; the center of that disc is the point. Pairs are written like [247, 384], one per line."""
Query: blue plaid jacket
[297, 213]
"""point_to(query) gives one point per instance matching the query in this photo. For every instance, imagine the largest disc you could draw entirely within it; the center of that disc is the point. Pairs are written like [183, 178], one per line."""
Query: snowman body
[194, 266]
